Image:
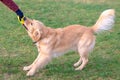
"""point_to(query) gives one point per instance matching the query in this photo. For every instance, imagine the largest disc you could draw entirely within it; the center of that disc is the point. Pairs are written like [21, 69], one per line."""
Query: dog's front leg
[26, 68]
[41, 62]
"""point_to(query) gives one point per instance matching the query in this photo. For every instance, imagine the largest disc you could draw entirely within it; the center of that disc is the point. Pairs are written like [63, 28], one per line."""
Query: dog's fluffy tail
[105, 21]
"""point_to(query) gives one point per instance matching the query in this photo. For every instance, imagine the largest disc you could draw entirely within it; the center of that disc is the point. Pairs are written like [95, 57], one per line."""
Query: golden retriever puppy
[54, 42]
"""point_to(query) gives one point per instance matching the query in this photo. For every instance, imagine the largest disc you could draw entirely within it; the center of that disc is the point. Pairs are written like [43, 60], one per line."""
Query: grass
[17, 50]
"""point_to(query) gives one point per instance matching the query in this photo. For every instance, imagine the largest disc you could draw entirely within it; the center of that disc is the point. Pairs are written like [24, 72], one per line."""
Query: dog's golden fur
[54, 42]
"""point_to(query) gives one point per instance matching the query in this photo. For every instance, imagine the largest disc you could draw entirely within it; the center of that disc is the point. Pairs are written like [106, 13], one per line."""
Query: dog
[55, 42]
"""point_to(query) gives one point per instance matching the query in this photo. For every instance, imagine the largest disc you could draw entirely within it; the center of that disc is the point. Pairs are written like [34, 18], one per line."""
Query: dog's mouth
[25, 27]
[24, 23]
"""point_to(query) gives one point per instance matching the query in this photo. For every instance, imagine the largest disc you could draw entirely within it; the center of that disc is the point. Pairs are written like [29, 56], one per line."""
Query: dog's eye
[31, 24]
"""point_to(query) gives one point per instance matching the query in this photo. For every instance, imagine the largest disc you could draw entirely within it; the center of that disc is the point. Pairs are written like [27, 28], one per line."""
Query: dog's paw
[79, 68]
[26, 68]
[30, 73]
[76, 65]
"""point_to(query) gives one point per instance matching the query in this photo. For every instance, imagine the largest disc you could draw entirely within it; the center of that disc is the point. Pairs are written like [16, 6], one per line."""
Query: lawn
[17, 50]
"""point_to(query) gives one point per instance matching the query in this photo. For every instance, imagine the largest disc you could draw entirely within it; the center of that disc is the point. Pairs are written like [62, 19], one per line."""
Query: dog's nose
[25, 18]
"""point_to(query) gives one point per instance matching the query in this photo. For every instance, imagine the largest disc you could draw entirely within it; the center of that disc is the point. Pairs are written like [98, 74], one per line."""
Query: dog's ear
[37, 34]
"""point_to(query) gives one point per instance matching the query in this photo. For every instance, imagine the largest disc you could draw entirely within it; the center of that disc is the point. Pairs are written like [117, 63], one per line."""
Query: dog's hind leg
[41, 62]
[84, 58]
[86, 44]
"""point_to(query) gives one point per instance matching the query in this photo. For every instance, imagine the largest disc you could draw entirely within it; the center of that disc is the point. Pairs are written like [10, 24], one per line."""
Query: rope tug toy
[13, 6]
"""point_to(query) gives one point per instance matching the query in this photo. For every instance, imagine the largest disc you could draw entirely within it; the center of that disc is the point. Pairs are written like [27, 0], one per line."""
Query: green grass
[17, 50]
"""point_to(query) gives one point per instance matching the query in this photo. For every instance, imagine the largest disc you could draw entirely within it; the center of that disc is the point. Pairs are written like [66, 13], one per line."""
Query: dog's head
[34, 28]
